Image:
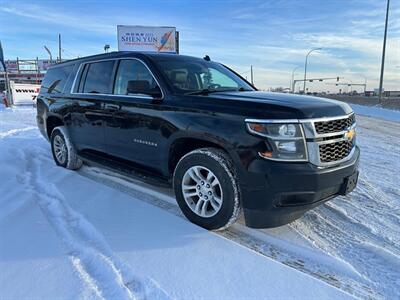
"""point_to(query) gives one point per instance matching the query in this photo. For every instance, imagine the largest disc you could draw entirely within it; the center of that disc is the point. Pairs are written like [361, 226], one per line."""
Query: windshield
[190, 75]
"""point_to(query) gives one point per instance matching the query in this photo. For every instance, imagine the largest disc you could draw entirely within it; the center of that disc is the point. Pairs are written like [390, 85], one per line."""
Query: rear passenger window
[98, 78]
[132, 72]
[55, 79]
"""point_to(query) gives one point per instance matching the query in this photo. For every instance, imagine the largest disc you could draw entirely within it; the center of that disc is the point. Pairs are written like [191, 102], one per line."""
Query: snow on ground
[363, 228]
[95, 234]
[63, 235]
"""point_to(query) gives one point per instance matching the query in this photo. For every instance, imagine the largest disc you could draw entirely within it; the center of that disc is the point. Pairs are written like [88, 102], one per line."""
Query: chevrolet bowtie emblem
[349, 135]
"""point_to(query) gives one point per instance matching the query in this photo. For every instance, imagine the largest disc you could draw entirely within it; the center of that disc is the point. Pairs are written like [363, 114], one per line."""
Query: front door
[133, 126]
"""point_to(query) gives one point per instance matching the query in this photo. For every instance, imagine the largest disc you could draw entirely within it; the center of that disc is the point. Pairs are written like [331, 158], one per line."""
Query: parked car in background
[196, 124]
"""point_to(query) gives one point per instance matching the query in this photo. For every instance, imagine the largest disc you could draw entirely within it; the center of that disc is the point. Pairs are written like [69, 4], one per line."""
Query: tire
[209, 203]
[61, 144]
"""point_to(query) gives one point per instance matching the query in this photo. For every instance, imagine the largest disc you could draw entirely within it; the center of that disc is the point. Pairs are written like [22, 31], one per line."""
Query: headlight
[285, 141]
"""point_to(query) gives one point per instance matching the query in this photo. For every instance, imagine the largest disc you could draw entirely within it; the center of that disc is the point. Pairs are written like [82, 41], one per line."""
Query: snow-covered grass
[377, 112]
[95, 234]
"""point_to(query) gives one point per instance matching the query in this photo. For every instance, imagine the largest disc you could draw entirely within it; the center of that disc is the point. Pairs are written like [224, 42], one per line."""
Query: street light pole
[383, 53]
[49, 52]
[59, 47]
[305, 67]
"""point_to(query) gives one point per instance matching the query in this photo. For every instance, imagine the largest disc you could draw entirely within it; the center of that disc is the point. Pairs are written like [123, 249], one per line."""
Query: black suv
[198, 125]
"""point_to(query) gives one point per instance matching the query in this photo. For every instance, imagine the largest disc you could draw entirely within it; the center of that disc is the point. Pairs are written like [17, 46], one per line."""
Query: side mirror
[142, 87]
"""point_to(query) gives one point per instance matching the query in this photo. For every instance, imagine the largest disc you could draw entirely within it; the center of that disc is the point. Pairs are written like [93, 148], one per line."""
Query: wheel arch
[52, 122]
[182, 145]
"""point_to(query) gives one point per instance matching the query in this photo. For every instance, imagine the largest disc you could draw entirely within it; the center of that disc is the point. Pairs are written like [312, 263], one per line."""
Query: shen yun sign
[148, 39]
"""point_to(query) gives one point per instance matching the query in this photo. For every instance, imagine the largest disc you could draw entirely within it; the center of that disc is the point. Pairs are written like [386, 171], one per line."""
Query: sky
[273, 36]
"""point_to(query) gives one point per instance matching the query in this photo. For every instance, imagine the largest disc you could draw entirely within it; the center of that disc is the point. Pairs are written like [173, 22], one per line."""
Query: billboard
[146, 38]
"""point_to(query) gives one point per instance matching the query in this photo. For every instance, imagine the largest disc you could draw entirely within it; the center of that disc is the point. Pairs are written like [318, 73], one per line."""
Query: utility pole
[383, 53]
[251, 74]
[305, 68]
[59, 47]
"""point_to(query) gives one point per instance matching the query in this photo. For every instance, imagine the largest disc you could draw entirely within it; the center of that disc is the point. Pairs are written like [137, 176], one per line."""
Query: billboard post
[177, 41]
[147, 39]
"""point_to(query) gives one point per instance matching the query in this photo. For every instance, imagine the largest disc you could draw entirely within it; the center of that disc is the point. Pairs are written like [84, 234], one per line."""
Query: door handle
[112, 107]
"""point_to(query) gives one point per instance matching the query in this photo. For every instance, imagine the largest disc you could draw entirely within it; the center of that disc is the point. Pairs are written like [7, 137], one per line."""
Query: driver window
[132, 72]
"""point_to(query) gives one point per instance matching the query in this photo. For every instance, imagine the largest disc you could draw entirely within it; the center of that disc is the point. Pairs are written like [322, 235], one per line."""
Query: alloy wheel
[202, 191]
[60, 149]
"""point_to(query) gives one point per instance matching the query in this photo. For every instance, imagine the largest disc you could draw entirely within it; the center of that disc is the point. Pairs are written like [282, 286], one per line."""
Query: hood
[301, 107]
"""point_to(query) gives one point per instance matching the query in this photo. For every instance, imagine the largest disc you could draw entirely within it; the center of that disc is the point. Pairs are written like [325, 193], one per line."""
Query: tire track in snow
[247, 237]
[104, 273]
[15, 131]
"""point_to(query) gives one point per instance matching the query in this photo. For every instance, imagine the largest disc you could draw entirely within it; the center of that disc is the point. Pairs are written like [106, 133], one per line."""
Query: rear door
[133, 129]
[93, 86]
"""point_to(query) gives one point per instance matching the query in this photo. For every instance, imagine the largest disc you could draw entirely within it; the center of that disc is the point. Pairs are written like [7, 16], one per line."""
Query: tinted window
[132, 70]
[55, 79]
[98, 78]
[187, 74]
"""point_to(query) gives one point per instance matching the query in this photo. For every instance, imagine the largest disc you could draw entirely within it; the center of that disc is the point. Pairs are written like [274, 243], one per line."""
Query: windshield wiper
[202, 92]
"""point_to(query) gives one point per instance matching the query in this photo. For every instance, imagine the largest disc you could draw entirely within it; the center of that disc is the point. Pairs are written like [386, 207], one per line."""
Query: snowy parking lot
[94, 234]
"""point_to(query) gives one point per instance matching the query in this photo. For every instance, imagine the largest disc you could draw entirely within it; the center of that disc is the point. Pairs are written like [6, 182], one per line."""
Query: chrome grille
[335, 151]
[331, 126]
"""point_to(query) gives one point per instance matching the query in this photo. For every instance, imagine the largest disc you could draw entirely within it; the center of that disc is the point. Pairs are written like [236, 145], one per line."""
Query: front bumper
[276, 193]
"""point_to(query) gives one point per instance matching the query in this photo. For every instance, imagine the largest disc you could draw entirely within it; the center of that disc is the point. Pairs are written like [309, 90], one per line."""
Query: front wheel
[206, 188]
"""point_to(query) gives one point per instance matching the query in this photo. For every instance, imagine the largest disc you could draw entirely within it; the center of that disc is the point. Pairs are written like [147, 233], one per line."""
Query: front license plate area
[350, 183]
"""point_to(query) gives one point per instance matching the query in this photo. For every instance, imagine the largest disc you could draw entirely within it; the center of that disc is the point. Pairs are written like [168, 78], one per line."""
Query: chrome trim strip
[113, 95]
[276, 138]
[325, 119]
[76, 77]
[285, 159]
[116, 95]
[272, 121]
[332, 141]
[322, 119]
